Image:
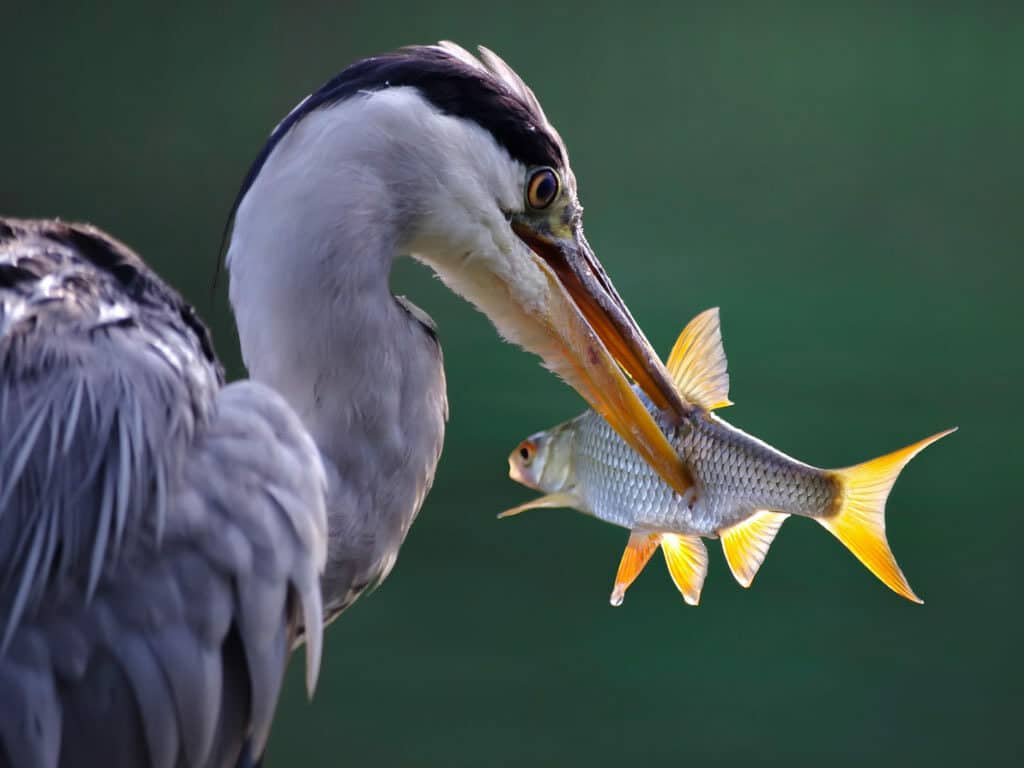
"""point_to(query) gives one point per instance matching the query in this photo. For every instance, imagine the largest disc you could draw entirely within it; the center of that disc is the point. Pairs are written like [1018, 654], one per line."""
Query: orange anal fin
[543, 502]
[687, 562]
[745, 544]
[639, 548]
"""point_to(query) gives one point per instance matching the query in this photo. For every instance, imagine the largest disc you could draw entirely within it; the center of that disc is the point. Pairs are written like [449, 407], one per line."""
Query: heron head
[507, 234]
[450, 158]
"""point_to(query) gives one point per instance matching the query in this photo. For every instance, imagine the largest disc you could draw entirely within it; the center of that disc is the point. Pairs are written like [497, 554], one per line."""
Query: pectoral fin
[746, 543]
[639, 548]
[543, 502]
[697, 363]
[687, 562]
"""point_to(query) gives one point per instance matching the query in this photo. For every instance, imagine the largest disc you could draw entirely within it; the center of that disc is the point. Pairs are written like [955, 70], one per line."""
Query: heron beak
[595, 334]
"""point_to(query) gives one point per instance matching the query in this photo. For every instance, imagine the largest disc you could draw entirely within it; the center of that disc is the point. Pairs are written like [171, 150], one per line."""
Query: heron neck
[317, 323]
[310, 320]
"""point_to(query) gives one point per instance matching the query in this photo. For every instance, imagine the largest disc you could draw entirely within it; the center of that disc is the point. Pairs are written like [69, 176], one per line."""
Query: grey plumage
[160, 533]
[163, 533]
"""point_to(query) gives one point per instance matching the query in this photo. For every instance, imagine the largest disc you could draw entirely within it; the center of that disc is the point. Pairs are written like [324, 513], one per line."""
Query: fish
[742, 491]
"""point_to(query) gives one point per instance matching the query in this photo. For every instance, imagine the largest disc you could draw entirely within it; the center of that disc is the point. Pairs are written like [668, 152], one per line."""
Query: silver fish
[741, 489]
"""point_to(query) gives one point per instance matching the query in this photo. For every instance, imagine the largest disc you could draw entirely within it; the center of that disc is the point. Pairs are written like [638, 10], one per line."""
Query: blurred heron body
[165, 538]
[160, 533]
[744, 489]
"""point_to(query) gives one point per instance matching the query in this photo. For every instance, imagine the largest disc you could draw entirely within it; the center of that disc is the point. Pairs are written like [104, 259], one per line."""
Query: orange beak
[592, 335]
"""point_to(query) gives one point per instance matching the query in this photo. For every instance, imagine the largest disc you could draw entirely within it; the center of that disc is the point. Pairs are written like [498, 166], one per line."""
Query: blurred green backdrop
[844, 181]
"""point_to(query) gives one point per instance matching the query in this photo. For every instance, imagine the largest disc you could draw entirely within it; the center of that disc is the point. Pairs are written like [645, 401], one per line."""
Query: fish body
[735, 475]
[742, 488]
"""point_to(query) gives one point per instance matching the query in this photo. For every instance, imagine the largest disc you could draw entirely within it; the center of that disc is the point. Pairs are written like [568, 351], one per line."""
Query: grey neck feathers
[309, 272]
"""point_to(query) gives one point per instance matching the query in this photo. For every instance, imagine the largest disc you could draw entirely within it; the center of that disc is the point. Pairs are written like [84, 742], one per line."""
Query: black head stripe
[454, 86]
[450, 84]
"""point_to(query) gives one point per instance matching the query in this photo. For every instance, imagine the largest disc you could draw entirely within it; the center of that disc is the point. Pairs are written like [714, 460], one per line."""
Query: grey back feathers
[161, 534]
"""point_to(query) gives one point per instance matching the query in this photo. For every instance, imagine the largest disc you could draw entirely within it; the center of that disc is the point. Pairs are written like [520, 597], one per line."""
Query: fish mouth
[596, 334]
[515, 471]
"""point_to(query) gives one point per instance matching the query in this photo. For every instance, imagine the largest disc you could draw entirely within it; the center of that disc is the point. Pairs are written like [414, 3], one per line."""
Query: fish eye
[542, 188]
[526, 451]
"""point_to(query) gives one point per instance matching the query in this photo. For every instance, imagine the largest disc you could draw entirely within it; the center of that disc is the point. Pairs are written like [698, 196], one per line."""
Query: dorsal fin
[697, 363]
[746, 543]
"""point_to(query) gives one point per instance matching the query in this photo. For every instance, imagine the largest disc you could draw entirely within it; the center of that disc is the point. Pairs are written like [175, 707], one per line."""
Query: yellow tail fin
[860, 521]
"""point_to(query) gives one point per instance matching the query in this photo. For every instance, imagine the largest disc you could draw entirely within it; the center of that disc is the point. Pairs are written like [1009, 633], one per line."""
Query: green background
[844, 181]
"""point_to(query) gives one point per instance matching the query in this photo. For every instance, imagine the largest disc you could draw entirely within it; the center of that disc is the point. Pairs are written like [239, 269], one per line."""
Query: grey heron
[166, 538]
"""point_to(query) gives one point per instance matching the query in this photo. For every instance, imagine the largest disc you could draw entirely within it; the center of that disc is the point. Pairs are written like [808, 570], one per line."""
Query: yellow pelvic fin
[543, 502]
[697, 362]
[860, 521]
[687, 562]
[639, 548]
[746, 544]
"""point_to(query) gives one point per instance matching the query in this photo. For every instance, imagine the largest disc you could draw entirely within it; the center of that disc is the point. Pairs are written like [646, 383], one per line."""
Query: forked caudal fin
[860, 521]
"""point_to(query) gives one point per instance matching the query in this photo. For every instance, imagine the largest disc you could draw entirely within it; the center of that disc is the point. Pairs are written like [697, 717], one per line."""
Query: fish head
[543, 461]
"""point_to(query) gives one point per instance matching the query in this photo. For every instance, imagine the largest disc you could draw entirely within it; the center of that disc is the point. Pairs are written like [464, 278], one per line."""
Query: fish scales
[614, 481]
[735, 473]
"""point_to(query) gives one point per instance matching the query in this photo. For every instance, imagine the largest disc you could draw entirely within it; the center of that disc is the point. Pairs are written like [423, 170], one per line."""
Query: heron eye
[542, 188]
[526, 452]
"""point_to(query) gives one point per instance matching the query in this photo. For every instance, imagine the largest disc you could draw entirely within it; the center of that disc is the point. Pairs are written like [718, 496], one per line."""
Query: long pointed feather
[101, 534]
[71, 420]
[124, 467]
[24, 586]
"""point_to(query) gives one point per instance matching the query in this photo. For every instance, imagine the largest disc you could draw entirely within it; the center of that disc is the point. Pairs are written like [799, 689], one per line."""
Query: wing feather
[161, 534]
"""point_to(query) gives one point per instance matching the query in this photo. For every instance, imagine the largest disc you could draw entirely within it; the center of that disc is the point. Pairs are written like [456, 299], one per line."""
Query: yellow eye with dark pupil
[526, 452]
[542, 189]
